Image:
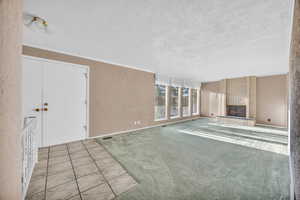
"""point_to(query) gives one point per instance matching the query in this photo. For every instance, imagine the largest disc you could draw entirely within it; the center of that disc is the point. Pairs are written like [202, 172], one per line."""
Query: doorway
[56, 94]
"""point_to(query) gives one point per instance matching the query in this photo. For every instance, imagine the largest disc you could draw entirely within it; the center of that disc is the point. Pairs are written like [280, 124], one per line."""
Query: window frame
[189, 102]
[178, 100]
[166, 103]
[197, 101]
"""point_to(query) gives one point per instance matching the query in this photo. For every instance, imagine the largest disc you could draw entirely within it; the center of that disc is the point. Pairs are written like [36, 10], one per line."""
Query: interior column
[10, 94]
[223, 100]
[295, 104]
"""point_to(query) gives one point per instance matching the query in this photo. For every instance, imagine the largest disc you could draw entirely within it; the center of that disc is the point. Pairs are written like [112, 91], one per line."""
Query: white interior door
[60, 91]
[65, 92]
[32, 93]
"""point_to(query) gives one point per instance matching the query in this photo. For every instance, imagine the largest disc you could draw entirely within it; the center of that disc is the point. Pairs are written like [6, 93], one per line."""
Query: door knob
[45, 109]
[45, 104]
[37, 110]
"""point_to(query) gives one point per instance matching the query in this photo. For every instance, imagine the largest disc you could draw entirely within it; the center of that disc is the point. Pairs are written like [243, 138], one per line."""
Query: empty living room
[150, 100]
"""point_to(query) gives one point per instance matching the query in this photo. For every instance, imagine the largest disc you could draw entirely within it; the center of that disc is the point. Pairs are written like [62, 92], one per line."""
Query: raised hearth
[243, 121]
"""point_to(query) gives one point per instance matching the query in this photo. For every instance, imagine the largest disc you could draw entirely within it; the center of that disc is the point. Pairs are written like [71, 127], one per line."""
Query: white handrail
[30, 150]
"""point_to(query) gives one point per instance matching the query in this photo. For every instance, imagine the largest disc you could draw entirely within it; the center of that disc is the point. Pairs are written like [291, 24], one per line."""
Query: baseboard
[143, 128]
[268, 125]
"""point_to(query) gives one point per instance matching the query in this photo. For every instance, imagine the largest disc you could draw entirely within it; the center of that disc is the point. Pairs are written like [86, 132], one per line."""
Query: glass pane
[185, 102]
[160, 102]
[174, 102]
[194, 101]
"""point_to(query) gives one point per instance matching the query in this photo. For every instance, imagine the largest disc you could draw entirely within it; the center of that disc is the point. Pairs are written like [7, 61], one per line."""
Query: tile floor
[81, 170]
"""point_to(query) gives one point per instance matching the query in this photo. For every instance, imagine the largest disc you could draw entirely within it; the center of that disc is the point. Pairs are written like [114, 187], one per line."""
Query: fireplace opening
[236, 110]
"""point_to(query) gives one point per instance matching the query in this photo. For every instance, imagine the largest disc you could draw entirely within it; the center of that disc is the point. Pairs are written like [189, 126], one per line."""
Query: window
[185, 102]
[174, 105]
[194, 101]
[160, 102]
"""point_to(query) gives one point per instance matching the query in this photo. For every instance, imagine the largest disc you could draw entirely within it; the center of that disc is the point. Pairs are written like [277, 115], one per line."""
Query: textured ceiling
[201, 40]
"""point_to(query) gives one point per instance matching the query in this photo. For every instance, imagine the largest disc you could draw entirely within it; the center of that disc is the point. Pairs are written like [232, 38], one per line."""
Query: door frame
[87, 134]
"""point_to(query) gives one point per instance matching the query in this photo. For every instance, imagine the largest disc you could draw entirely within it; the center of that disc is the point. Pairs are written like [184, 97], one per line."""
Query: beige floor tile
[37, 196]
[63, 191]
[76, 150]
[101, 192]
[89, 181]
[84, 170]
[40, 170]
[75, 147]
[82, 161]
[92, 145]
[113, 171]
[58, 160]
[43, 149]
[79, 154]
[43, 156]
[58, 154]
[122, 183]
[100, 155]
[60, 178]
[87, 141]
[76, 143]
[41, 164]
[62, 147]
[43, 152]
[106, 162]
[58, 168]
[96, 149]
[77, 197]
[36, 186]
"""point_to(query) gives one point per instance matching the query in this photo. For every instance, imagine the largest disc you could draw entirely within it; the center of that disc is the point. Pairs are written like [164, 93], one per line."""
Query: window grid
[160, 102]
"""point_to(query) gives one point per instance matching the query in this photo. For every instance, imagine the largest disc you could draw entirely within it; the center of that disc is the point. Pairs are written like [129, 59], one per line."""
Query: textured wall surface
[295, 103]
[272, 97]
[237, 91]
[10, 103]
[210, 99]
[265, 97]
[118, 95]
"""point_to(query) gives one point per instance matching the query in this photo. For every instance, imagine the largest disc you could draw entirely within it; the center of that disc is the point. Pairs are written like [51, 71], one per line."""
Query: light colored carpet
[171, 165]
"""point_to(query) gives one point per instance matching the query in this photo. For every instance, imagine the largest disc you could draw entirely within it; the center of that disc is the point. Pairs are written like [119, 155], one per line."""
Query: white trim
[292, 178]
[147, 127]
[87, 134]
[87, 57]
[30, 176]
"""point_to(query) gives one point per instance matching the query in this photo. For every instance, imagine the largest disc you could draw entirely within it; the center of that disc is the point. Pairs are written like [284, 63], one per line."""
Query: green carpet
[170, 165]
